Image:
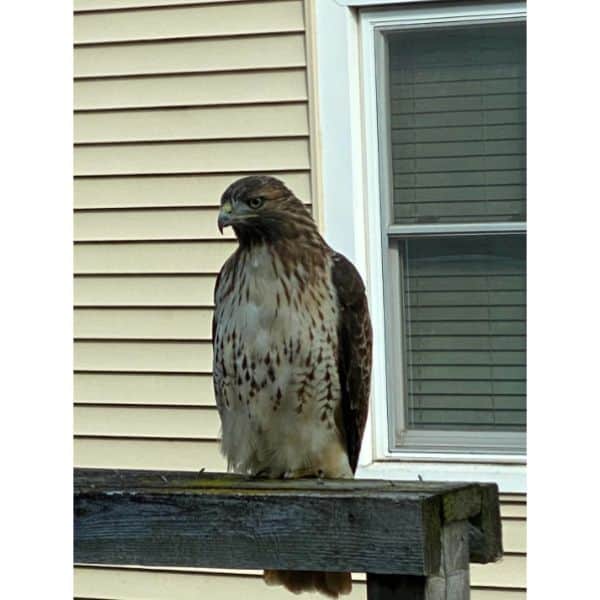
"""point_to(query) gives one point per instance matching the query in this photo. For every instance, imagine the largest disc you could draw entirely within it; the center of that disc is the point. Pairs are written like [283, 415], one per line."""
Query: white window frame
[347, 41]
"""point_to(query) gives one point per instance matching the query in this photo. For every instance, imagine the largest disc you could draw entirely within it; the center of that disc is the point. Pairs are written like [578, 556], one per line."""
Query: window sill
[511, 478]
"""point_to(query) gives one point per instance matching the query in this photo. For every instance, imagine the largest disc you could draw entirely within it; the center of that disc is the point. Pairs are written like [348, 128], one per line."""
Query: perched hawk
[292, 350]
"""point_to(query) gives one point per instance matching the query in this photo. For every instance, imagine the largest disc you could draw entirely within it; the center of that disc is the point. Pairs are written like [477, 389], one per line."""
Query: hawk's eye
[256, 202]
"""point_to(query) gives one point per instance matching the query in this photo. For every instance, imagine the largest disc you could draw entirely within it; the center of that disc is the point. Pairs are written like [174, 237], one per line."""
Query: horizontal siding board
[204, 55]
[160, 585]
[152, 257]
[143, 389]
[510, 572]
[177, 357]
[514, 535]
[201, 423]
[191, 157]
[100, 290]
[148, 224]
[151, 584]
[178, 22]
[187, 224]
[157, 454]
[513, 499]
[191, 90]
[169, 190]
[502, 594]
[229, 122]
[513, 510]
[150, 323]
[85, 5]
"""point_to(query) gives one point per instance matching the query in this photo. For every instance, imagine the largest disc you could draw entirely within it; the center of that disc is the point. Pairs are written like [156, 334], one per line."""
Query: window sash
[402, 441]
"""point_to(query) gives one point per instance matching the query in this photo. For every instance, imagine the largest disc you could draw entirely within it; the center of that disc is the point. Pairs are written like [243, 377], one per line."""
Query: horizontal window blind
[458, 124]
[464, 324]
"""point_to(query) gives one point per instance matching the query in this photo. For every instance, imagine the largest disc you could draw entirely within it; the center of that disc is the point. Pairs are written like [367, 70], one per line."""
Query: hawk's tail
[329, 583]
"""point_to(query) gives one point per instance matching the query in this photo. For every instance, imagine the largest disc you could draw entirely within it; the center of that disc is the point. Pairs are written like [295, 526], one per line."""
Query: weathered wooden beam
[451, 582]
[229, 521]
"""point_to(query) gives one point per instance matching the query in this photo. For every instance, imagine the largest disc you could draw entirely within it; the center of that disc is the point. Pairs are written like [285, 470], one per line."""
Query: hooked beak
[224, 219]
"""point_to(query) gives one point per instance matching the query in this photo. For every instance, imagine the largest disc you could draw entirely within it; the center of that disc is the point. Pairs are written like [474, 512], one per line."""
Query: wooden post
[411, 538]
[451, 582]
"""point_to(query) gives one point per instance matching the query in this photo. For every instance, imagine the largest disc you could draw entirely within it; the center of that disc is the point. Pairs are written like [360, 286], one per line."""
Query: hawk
[291, 350]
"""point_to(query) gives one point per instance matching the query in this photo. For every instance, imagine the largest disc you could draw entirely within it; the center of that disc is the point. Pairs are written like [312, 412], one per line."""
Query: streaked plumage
[292, 349]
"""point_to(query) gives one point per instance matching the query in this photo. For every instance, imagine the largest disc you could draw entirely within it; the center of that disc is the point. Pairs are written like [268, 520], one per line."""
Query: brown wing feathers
[354, 352]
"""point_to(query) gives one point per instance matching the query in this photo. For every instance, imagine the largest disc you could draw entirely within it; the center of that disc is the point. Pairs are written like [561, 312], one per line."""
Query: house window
[450, 100]
[422, 156]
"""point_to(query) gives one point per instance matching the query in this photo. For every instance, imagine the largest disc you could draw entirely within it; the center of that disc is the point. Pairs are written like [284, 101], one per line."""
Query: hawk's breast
[275, 367]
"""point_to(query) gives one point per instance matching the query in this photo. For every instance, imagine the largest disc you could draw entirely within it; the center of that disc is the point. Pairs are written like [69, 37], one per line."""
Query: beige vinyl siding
[142, 355]
[180, 223]
[174, 100]
[144, 323]
[143, 125]
[189, 21]
[148, 224]
[146, 290]
[184, 56]
[157, 422]
[151, 257]
[140, 453]
[144, 389]
[187, 157]
[216, 89]
[115, 5]
[197, 190]
[133, 584]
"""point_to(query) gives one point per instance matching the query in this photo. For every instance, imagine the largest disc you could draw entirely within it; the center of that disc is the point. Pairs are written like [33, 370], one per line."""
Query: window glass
[458, 124]
[458, 135]
[464, 324]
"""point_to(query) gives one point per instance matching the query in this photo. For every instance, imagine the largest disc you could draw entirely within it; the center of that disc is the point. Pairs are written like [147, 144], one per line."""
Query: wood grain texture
[134, 517]
[489, 545]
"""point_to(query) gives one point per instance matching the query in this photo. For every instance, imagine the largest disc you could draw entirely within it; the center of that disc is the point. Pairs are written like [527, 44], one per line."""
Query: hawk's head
[262, 208]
